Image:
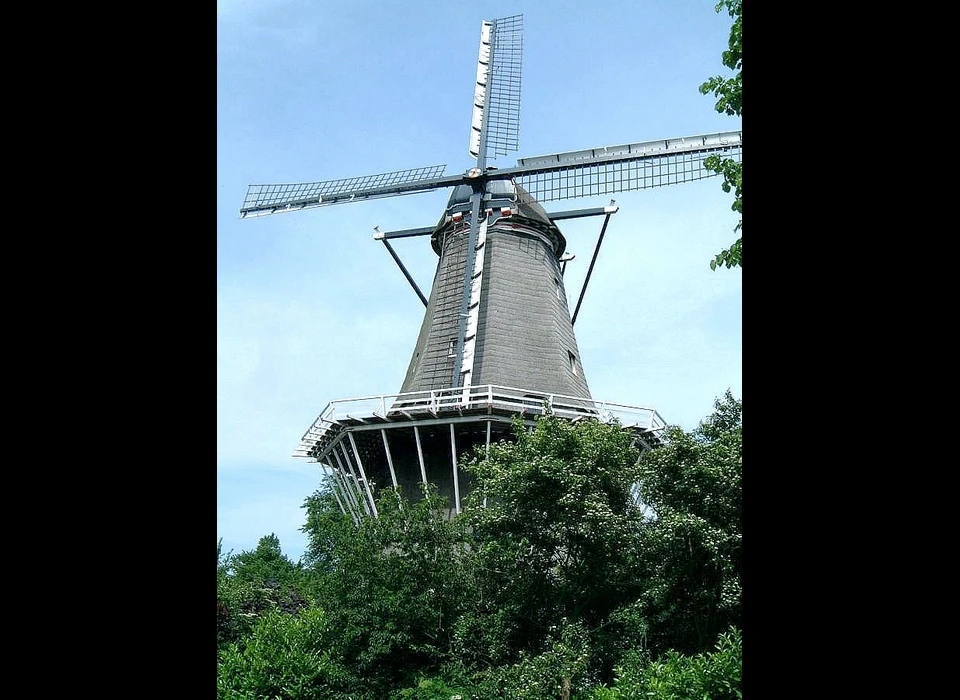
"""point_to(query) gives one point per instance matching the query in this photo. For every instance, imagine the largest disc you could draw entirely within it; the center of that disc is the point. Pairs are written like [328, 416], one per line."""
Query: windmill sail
[495, 125]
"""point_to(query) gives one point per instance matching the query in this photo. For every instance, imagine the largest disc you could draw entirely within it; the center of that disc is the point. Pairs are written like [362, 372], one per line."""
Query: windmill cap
[500, 194]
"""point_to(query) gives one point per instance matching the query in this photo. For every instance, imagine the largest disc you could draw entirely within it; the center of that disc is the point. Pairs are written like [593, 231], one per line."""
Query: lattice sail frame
[267, 198]
[503, 112]
[625, 168]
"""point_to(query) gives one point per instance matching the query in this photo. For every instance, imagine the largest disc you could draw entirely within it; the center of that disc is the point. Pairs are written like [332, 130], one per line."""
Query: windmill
[497, 335]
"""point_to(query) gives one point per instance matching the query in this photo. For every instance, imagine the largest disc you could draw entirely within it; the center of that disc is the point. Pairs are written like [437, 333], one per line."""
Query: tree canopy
[729, 94]
[580, 567]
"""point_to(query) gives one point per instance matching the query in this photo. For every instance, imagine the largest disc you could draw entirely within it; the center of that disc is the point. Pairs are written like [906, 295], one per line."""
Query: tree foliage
[253, 582]
[715, 675]
[284, 657]
[389, 585]
[729, 94]
[692, 541]
[556, 547]
[580, 568]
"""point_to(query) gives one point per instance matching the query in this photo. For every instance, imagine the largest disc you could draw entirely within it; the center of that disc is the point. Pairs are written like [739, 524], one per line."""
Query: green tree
[252, 582]
[692, 487]
[555, 547]
[729, 94]
[267, 566]
[231, 624]
[716, 675]
[284, 659]
[390, 586]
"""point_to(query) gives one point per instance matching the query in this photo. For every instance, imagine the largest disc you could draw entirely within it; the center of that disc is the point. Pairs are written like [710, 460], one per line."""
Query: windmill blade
[495, 126]
[273, 199]
[480, 90]
[613, 169]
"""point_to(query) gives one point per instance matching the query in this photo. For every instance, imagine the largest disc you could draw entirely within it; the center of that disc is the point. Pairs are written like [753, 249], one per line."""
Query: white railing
[438, 403]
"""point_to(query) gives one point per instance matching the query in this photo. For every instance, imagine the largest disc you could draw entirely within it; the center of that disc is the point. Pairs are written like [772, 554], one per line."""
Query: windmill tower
[497, 338]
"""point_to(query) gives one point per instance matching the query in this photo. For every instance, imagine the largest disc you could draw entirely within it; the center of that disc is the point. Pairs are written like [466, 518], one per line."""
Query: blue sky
[310, 308]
